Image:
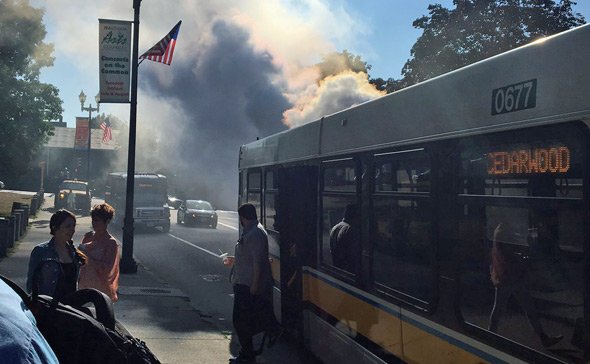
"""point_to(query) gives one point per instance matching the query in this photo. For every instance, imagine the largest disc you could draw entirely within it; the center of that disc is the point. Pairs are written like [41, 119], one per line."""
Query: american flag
[164, 50]
[107, 134]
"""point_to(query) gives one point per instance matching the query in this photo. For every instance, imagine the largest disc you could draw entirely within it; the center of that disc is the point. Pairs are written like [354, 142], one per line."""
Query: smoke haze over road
[241, 70]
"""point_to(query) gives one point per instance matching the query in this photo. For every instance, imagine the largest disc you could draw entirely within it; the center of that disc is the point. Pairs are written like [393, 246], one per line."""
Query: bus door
[297, 212]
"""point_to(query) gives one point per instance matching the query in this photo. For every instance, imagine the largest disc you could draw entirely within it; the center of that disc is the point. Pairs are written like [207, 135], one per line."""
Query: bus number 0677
[515, 97]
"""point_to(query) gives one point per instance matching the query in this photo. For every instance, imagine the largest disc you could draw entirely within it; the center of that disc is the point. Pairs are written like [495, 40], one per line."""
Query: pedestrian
[54, 265]
[71, 201]
[21, 342]
[344, 246]
[508, 273]
[101, 271]
[252, 284]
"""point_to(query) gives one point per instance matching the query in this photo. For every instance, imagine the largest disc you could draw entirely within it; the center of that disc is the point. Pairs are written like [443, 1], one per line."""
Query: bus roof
[459, 103]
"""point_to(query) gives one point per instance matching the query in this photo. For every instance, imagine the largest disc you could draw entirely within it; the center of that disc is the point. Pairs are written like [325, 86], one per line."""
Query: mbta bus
[472, 191]
[150, 199]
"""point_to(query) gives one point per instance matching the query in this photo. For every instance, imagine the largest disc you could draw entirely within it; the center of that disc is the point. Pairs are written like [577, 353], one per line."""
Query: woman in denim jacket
[54, 265]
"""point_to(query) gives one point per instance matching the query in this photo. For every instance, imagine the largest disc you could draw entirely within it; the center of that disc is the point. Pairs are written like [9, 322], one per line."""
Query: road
[188, 258]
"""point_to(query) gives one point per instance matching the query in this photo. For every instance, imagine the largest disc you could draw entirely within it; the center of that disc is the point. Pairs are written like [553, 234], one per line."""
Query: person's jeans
[252, 315]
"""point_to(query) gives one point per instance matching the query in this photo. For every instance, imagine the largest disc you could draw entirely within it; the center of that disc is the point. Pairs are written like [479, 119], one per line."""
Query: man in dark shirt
[344, 241]
[252, 282]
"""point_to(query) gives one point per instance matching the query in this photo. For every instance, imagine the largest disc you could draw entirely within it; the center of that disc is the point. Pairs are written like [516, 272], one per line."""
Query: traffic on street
[356, 182]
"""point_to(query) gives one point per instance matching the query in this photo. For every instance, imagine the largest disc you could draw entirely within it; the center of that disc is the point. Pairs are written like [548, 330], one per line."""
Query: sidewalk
[150, 309]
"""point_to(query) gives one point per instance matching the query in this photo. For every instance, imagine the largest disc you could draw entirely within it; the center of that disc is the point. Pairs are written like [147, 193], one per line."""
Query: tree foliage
[337, 62]
[26, 104]
[479, 29]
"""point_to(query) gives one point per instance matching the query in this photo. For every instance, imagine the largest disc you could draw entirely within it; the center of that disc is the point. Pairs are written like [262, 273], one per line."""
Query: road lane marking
[229, 226]
[195, 246]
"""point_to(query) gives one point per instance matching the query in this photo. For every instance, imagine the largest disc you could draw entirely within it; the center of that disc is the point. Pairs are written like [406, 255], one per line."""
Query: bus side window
[521, 248]
[402, 250]
[271, 198]
[254, 190]
[340, 235]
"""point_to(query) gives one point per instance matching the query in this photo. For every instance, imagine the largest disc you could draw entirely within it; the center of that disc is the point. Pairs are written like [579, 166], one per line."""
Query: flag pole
[128, 264]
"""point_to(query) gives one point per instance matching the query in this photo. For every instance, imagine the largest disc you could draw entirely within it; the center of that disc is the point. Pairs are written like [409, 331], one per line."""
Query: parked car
[197, 212]
[174, 202]
[80, 190]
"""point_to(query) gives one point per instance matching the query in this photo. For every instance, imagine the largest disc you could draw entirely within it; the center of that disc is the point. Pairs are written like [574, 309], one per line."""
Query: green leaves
[26, 104]
[479, 29]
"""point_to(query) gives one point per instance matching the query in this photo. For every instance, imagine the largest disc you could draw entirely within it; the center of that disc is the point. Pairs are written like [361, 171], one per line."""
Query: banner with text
[114, 58]
[81, 141]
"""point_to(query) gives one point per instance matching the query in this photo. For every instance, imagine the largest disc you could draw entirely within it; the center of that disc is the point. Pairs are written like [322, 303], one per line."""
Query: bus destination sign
[529, 161]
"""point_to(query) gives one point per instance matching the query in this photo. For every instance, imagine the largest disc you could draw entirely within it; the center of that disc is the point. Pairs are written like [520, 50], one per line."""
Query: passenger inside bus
[344, 245]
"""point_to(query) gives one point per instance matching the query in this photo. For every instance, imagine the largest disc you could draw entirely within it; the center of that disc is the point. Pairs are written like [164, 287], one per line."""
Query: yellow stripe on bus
[355, 314]
[423, 347]
[381, 327]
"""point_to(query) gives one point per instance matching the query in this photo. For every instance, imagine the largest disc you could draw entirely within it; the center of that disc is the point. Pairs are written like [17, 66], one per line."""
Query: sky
[380, 31]
[241, 69]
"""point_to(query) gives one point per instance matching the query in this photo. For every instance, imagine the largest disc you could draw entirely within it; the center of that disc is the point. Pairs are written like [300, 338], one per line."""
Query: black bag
[134, 351]
[80, 334]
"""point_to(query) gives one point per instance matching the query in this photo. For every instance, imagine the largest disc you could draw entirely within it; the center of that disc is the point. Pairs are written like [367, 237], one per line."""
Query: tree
[479, 29]
[338, 62]
[26, 104]
[388, 85]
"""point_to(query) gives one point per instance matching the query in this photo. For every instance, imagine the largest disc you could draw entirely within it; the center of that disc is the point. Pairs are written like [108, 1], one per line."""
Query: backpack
[81, 334]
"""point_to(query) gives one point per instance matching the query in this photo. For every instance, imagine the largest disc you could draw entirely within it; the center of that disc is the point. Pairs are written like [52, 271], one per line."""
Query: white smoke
[332, 94]
[241, 70]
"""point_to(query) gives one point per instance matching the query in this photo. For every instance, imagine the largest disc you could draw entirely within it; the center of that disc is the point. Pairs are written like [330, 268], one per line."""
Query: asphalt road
[189, 258]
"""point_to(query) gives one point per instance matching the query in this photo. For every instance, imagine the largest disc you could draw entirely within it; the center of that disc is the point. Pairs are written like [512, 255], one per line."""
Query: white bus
[149, 200]
[472, 191]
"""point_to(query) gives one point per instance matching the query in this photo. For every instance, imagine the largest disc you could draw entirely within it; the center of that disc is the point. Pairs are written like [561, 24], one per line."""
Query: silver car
[197, 212]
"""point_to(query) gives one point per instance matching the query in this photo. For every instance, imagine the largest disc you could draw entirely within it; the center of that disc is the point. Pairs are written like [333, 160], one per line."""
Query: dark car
[196, 212]
[82, 196]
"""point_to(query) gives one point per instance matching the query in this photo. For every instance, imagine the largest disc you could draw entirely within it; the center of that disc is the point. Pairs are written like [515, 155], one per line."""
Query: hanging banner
[81, 141]
[114, 50]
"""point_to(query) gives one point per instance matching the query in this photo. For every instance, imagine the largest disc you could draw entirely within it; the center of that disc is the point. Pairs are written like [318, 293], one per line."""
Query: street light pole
[128, 264]
[90, 109]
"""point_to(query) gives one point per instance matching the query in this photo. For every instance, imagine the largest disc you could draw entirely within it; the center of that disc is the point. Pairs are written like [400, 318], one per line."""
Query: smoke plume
[241, 70]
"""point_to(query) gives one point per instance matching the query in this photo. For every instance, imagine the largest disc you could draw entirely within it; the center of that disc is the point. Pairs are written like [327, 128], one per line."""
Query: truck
[79, 189]
[150, 199]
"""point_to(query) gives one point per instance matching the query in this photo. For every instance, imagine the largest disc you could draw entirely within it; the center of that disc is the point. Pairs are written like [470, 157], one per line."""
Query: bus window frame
[255, 190]
[266, 191]
[566, 131]
[349, 277]
[382, 290]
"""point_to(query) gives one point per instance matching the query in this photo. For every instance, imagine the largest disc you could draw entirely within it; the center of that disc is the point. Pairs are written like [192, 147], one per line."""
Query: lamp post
[90, 109]
[128, 264]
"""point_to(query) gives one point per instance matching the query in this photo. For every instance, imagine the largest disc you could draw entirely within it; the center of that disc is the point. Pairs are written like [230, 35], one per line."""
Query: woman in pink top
[101, 271]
